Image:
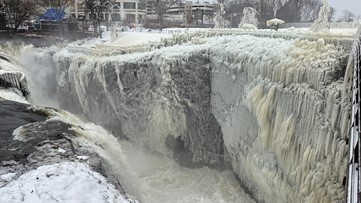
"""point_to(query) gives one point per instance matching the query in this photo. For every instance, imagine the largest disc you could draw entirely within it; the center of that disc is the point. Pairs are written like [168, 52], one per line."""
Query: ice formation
[274, 21]
[271, 106]
[249, 17]
[219, 20]
[11, 77]
[321, 24]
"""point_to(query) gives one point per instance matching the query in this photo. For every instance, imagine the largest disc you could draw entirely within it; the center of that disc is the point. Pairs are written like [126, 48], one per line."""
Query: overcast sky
[351, 5]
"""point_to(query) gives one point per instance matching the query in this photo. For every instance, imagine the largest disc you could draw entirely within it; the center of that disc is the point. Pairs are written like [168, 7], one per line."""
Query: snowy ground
[136, 38]
[123, 39]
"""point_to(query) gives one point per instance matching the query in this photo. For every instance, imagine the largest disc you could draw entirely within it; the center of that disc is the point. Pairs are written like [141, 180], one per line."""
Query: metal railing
[333, 25]
[353, 189]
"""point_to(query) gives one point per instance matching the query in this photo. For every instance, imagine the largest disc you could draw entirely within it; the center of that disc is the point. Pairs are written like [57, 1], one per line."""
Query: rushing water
[161, 179]
[152, 177]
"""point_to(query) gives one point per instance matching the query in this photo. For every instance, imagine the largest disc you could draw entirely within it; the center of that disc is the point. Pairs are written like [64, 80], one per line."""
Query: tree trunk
[160, 17]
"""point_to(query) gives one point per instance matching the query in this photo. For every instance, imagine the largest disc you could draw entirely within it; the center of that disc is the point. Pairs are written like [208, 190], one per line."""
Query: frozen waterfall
[271, 108]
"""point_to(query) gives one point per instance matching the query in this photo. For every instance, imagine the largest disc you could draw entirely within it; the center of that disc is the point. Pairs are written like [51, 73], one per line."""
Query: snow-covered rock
[12, 78]
[62, 182]
[44, 157]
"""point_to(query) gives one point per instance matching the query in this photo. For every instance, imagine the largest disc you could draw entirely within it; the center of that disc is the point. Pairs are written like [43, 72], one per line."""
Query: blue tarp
[54, 14]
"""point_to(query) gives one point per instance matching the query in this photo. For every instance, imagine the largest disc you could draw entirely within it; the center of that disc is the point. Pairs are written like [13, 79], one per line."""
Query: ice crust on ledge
[12, 79]
[270, 106]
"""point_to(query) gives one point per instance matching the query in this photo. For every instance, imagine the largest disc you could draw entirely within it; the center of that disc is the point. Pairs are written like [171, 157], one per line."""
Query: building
[126, 11]
[187, 13]
[202, 13]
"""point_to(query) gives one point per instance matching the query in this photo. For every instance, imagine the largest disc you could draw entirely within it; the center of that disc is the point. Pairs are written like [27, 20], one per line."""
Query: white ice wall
[279, 106]
[278, 103]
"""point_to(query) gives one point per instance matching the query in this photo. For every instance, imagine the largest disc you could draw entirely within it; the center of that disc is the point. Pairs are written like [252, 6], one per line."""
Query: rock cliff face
[271, 107]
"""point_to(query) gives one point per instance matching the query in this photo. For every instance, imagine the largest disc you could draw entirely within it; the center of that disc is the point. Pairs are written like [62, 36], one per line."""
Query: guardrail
[340, 25]
[353, 194]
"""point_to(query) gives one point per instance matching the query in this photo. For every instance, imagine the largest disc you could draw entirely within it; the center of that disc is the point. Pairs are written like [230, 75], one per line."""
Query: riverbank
[42, 39]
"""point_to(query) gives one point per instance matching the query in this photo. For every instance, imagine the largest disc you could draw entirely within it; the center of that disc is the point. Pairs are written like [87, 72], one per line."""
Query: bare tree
[331, 14]
[96, 7]
[161, 7]
[347, 16]
[358, 18]
[2, 16]
[287, 10]
[17, 11]
[219, 18]
[188, 16]
[57, 7]
[309, 12]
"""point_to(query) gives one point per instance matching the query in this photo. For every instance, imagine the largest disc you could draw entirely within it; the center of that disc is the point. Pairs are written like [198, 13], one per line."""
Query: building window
[141, 6]
[129, 5]
[130, 18]
[115, 17]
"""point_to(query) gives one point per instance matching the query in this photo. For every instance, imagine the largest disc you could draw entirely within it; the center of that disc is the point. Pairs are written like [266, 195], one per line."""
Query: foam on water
[161, 179]
[152, 177]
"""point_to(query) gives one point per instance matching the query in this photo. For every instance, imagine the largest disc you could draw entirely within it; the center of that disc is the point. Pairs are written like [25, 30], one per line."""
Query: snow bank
[67, 182]
[136, 38]
[123, 40]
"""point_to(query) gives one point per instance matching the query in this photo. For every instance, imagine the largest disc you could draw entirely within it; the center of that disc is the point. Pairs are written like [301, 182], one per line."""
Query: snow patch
[13, 95]
[8, 176]
[62, 151]
[82, 157]
[68, 182]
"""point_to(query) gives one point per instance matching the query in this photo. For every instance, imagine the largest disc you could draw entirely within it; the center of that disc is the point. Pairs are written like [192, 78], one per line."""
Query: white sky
[351, 5]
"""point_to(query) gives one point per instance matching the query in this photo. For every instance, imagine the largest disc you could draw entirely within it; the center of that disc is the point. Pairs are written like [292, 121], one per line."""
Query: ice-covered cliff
[270, 106]
[48, 155]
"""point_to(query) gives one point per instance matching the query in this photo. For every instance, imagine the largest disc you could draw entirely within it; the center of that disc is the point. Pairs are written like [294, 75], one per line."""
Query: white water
[153, 178]
[161, 179]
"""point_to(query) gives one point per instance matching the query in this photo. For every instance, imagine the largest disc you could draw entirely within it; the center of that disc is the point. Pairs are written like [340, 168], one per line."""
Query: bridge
[353, 186]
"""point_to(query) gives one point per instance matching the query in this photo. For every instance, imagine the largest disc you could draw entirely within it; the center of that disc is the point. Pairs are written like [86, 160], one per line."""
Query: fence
[353, 190]
[336, 25]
